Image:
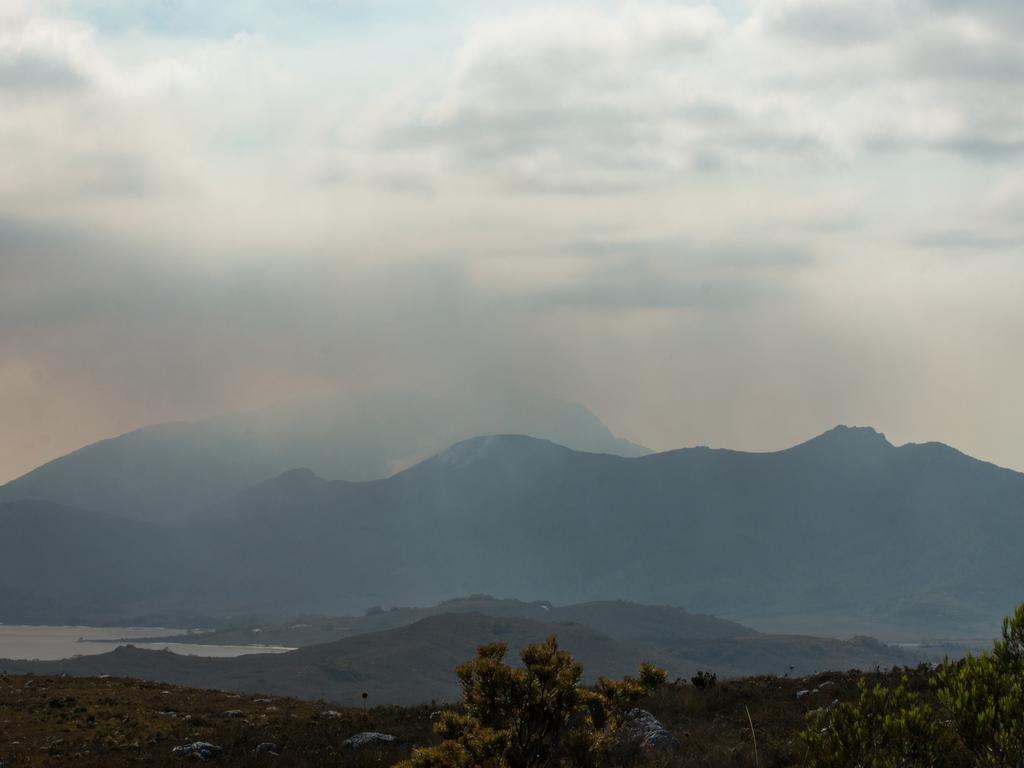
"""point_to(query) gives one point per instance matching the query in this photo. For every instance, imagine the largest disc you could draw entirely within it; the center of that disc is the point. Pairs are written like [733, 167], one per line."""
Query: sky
[733, 224]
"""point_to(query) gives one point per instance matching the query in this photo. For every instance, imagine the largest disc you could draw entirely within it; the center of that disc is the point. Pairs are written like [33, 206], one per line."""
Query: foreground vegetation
[972, 713]
[537, 714]
[969, 713]
[965, 713]
[116, 722]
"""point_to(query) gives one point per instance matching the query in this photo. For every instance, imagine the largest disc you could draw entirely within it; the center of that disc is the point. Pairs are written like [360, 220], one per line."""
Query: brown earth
[113, 722]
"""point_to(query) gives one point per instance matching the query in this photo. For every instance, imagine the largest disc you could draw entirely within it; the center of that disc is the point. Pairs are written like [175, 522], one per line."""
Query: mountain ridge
[184, 470]
[843, 522]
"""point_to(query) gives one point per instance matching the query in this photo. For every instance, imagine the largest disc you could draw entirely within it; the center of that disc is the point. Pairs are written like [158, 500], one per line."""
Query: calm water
[26, 642]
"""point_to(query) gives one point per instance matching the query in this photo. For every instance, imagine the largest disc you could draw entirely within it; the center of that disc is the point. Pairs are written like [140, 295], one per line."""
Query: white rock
[367, 738]
[643, 729]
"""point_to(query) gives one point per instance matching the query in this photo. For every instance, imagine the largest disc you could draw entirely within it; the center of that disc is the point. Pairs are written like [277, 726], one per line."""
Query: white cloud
[734, 218]
[576, 100]
[551, 100]
[832, 22]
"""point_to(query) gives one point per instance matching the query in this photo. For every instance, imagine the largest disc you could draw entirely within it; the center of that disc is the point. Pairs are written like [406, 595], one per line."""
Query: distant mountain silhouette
[171, 472]
[416, 662]
[845, 520]
[60, 565]
[621, 620]
[920, 535]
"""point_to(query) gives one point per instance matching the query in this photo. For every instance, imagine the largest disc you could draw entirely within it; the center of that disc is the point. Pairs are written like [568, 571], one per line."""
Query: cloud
[35, 75]
[576, 100]
[200, 20]
[1001, 11]
[631, 275]
[967, 241]
[832, 22]
[712, 226]
[582, 101]
[966, 48]
[989, 150]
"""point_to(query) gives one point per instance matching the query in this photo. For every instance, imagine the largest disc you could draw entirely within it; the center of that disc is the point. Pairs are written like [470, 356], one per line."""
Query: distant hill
[410, 664]
[171, 472]
[620, 620]
[918, 535]
[416, 663]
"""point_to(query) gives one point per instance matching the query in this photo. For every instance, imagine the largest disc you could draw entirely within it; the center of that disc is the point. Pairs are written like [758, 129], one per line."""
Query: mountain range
[918, 535]
[169, 473]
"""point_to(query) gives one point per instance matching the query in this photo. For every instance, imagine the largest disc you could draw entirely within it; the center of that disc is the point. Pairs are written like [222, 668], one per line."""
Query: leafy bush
[985, 698]
[885, 728]
[534, 715]
[704, 680]
[981, 720]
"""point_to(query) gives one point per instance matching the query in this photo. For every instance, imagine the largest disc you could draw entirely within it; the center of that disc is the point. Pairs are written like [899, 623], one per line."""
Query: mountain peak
[848, 434]
[163, 473]
[847, 438]
[293, 481]
[465, 453]
[869, 432]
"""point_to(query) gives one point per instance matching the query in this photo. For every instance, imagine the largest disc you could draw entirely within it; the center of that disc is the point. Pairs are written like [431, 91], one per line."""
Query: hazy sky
[734, 224]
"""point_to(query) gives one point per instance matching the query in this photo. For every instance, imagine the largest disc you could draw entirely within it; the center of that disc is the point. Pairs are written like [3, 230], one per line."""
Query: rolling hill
[415, 663]
[620, 620]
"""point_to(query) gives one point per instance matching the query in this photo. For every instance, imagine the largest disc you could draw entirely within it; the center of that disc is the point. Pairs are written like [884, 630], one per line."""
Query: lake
[51, 643]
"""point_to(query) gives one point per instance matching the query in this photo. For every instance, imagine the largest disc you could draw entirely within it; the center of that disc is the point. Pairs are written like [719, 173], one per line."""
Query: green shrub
[985, 698]
[703, 680]
[534, 715]
[885, 728]
[980, 721]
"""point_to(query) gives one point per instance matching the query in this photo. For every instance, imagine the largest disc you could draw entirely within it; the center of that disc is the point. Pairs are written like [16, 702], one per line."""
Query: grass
[113, 722]
[49, 721]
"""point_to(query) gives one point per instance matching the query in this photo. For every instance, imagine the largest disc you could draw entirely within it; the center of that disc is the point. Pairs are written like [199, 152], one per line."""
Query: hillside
[65, 565]
[415, 663]
[618, 619]
[919, 536]
[181, 471]
[407, 665]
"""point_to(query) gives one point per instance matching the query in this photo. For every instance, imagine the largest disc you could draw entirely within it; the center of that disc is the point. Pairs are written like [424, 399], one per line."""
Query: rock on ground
[203, 750]
[642, 729]
[366, 738]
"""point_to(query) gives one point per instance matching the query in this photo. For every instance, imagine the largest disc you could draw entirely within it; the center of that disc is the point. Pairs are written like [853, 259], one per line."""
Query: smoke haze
[733, 224]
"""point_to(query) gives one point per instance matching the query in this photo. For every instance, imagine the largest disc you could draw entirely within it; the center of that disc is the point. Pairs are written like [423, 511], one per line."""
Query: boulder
[367, 738]
[201, 750]
[641, 729]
